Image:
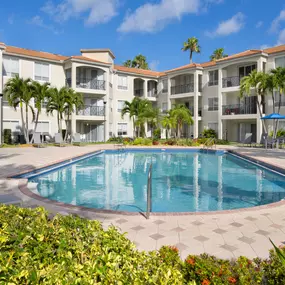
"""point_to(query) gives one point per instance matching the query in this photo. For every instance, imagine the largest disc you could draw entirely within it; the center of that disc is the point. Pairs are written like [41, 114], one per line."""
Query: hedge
[38, 249]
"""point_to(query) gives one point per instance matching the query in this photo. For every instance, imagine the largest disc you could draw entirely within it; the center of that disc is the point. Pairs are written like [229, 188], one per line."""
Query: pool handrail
[149, 192]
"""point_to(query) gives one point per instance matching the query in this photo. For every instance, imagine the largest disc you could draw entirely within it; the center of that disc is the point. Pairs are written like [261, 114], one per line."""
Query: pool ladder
[210, 143]
[149, 192]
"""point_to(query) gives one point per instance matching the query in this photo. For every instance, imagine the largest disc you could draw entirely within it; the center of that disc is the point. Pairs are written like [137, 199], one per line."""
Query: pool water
[182, 181]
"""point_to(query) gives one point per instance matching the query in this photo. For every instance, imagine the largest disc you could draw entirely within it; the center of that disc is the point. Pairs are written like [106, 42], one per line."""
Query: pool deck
[226, 235]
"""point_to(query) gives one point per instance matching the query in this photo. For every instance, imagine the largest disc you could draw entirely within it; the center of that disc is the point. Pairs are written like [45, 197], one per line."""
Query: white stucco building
[210, 90]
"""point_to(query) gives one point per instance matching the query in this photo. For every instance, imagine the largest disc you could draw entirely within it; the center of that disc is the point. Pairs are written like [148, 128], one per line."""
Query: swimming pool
[182, 181]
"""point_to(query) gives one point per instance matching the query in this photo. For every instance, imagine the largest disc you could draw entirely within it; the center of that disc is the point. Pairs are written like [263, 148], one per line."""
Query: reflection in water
[182, 181]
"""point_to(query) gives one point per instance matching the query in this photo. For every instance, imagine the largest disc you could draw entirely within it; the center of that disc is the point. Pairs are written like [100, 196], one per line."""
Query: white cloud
[98, 11]
[275, 25]
[38, 21]
[154, 17]
[259, 24]
[230, 26]
[153, 65]
[11, 19]
[281, 37]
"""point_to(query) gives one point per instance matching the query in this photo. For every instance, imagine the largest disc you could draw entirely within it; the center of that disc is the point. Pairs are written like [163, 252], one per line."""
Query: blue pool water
[183, 181]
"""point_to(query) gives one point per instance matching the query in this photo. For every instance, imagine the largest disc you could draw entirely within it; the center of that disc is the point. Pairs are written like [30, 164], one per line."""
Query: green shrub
[138, 141]
[280, 133]
[157, 134]
[7, 136]
[209, 133]
[116, 139]
[147, 141]
[36, 249]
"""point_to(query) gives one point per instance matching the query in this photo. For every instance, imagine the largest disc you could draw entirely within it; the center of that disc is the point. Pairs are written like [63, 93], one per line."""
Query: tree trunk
[23, 121]
[260, 113]
[191, 54]
[279, 107]
[27, 125]
[134, 128]
[59, 124]
[35, 128]
[67, 124]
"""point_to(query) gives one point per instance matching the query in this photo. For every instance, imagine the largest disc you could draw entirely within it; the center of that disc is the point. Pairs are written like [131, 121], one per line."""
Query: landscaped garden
[37, 248]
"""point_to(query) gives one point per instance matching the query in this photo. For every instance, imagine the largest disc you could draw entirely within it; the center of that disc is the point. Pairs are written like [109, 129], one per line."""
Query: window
[122, 82]
[213, 126]
[12, 125]
[42, 127]
[246, 70]
[164, 107]
[200, 83]
[122, 129]
[121, 105]
[213, 104]
[280, 62]
[10, 66]
[213, 78]
[164, 85]
[41, 71]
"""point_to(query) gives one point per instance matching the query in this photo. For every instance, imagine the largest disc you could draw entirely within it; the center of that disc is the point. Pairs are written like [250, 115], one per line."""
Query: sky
[154, 28]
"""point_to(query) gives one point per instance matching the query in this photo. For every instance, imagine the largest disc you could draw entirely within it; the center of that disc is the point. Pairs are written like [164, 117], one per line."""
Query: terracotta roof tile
[138, 71]
[275, 49]
[40, 54]
[191, 65]
[208, 64]
[88, 59]
[241, 54]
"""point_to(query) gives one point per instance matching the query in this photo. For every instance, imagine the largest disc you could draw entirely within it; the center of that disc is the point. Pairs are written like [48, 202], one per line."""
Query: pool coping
[23, 187]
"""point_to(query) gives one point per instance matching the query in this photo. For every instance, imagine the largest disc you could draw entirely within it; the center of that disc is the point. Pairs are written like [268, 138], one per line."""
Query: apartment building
[210, 90]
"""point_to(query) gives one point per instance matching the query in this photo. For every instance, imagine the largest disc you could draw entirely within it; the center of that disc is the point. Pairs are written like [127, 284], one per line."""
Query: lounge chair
[37, 140]
[247, 139]
[76, 140]
[267, 141]
[58, 140]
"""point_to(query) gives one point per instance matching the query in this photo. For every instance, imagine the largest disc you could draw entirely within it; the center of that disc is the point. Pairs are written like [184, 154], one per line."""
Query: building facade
[210, 90]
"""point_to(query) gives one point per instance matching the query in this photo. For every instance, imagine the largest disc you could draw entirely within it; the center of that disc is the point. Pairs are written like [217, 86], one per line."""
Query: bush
[36, 249]
[209, 133]
[7, 136]
[157, 134]
[116, 140]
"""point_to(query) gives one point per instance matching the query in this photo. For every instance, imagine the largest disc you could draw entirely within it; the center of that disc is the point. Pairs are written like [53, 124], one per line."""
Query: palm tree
[192, 45]
[40, 93]
[18, 92]
[153, 117]
[73, 101]
[128, 63]
[168, 123]
[131, 109]
[218, 54]
[258, 81]
[182, 115]
[57, 102]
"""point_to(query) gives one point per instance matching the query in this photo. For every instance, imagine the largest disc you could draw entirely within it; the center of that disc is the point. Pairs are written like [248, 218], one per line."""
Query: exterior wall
[101, 56]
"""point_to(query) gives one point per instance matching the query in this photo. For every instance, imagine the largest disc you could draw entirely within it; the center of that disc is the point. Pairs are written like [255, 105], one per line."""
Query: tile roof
[139, 71]
[274, 49]
[33, 53]
[88, 59]
[191, 65]
[241, 54]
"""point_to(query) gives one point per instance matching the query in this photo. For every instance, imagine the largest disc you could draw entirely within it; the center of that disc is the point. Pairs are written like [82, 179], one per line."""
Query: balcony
[90, 83]
[239, 109]
[138, 92]
[180, 89]
[199, 111]
[89, 110]
[232, 81]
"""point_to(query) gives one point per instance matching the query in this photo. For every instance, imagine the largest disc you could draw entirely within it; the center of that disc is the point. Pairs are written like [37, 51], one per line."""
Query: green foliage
[7, 136]
[37, 249]
[280, 133]
[218, 53]
[192, 44]
[142, 141]
[116, 140]
[139, 61]
[209, 133]
[157, 134]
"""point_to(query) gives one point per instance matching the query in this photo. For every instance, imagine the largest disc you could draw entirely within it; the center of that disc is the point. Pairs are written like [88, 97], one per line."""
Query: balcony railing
[239, 109]
[179, 89]
[138, 92]
[231, 81]
[213, 82]
[199, 111]
[152, 93]
[89, 110]
[90, 83]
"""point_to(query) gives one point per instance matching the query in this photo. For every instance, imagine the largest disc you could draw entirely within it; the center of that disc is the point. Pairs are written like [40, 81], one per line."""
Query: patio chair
[37, 140]
[267, 141]
[76, 140]
[58, 141]
[247, 139]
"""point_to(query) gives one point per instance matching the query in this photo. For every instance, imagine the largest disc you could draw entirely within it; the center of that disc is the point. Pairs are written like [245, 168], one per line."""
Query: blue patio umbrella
[273, 116]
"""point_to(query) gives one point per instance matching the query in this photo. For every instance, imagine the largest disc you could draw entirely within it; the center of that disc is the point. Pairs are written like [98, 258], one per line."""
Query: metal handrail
[209, 143]
[149, 192]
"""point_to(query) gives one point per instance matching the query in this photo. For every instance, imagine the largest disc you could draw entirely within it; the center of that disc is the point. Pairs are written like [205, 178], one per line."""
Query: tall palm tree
[74, 102]
[18, 92]
[258, 81]
[128, 63]
[40, 93]
[182, 115]
[218, 54]
[168, 123]
[279, 84]
[140, 62]
[192, 44]
[57, 102]
[153, 117]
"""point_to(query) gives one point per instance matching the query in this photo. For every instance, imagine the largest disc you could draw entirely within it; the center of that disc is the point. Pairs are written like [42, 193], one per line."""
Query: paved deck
[225, 235]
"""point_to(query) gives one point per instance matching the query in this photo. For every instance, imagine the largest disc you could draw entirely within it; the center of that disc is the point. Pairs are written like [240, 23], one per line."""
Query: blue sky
[155, 28]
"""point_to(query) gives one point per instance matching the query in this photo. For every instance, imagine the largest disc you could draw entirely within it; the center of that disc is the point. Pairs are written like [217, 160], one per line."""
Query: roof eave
[87, 61]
